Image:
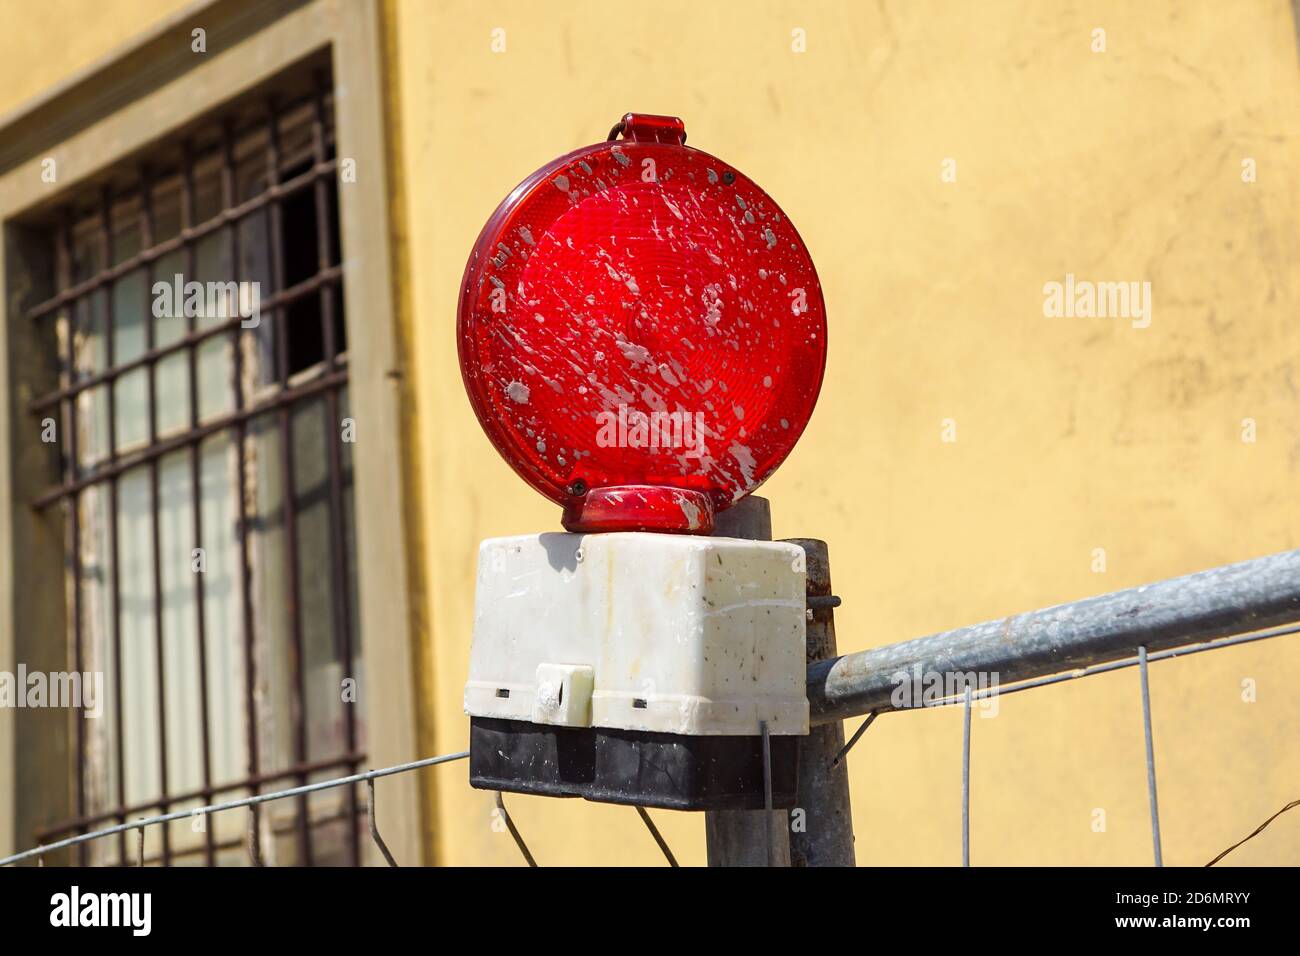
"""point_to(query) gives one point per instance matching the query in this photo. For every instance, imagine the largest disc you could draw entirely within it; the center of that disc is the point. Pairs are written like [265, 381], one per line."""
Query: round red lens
[639, 313]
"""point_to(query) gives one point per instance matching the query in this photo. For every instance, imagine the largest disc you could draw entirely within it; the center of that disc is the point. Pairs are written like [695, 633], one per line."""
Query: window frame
[101, 118]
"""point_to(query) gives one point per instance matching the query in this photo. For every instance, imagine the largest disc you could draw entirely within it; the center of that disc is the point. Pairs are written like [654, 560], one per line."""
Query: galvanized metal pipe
[1220, 602]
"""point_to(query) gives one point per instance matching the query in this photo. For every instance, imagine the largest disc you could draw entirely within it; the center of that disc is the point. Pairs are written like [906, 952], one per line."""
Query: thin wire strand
[654, 832]
[965, 781]
[857, 735]
[1151, 754]
[510, 825]
[374, 827]
[233, 804]
[1256, 832]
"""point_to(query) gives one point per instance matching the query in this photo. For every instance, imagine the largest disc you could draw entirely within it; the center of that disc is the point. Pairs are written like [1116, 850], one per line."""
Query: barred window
[205, 477]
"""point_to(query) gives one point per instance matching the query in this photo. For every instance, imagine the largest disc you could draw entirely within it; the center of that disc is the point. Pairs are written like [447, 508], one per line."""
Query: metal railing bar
[1109, 666]
[291, 566]
[192, 338]
[145, 221]
[294, 770]
[1247, 596]
[196, 496]
[106, 246]
[155, 252]
[252, 748]
[278, 401]
[72, 530]
[181, 852]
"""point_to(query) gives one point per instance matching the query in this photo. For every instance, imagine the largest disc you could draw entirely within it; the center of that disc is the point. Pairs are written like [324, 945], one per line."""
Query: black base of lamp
[636, 767]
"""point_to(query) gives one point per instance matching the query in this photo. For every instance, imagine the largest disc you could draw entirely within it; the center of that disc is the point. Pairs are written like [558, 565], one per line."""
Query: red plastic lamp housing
[641, 332]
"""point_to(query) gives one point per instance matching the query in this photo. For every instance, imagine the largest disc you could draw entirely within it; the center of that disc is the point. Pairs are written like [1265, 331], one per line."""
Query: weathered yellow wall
[1073, 434]
[44, 42]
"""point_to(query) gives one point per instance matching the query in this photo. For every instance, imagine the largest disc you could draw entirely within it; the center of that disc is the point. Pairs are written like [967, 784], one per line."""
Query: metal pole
[747, 837]
[1200, 607]
[824, 835]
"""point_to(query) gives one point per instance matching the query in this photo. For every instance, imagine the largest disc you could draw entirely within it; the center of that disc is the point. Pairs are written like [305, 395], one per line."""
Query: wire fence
[255, 855]
[254, 851]
[965, 699]
[969, 696]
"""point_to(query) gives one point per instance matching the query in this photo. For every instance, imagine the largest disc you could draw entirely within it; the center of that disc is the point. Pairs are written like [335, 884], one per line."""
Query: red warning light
[641, 332]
